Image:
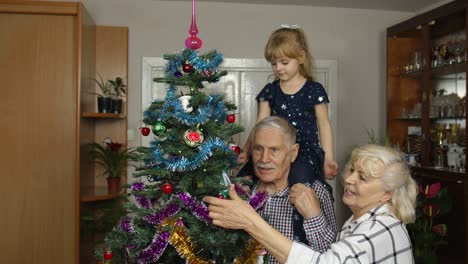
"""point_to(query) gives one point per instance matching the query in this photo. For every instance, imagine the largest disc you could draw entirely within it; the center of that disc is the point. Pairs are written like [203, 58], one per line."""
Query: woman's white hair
[389, 165]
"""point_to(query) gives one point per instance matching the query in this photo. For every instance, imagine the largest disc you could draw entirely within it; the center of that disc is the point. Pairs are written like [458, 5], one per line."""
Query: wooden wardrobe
[47, 54]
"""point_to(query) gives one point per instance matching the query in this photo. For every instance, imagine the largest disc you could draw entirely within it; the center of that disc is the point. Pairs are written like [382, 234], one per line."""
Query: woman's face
[362, 192]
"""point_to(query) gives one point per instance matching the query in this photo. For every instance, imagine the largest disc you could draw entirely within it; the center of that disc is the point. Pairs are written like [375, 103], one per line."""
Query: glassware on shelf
[416, 61]
[453, 135]
[440, 156]
[456, 51]
[438, 134]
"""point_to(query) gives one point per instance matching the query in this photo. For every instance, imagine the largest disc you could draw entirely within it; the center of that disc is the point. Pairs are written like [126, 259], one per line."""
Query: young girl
[296, 96]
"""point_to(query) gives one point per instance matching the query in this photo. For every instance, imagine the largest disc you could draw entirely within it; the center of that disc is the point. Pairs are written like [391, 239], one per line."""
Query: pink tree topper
[193, 42]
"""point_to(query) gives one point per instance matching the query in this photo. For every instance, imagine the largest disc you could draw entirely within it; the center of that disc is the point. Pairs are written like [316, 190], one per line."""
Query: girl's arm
[326, 140]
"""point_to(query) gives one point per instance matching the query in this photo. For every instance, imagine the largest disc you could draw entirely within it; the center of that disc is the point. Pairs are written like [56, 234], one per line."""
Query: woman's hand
[233, 214]
[330, 169]
[305, 200]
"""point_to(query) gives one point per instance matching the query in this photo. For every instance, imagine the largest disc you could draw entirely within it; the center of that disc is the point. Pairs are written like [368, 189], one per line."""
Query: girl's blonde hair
[389, 165]
[291, 43]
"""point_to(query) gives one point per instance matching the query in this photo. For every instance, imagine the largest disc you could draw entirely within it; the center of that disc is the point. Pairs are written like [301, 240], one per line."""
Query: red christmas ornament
[187, 67]
[208, 73]
[108, 255]
[167, 188]
[220, 196]
[145, 131]
[193, 136]
[236, 149]
[180, 222]
[231, 118]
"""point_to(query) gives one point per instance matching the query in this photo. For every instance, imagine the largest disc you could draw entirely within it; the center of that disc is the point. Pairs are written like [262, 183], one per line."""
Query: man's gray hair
[280, 123]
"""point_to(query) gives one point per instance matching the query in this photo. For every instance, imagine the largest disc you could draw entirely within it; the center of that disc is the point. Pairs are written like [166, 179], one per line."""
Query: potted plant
[113, 158]
[104, 99]
[427, 232]
[119, 91]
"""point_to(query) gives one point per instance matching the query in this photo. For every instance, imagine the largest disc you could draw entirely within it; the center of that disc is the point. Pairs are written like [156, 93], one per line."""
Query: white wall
[353, 37]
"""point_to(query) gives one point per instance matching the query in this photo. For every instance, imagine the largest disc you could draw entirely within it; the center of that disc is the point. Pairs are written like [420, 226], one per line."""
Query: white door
[245, 79]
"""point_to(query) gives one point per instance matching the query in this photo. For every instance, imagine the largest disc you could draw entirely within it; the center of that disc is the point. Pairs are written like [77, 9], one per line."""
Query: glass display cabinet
[426, 107]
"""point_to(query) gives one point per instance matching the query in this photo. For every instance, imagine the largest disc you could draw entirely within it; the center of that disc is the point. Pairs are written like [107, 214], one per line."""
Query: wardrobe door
[38, 138]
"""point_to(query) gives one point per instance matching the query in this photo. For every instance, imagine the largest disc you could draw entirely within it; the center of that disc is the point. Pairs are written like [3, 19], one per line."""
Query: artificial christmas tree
[190, 157]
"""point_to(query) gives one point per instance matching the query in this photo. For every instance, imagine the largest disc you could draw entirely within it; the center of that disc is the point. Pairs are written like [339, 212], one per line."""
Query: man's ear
[294, 152]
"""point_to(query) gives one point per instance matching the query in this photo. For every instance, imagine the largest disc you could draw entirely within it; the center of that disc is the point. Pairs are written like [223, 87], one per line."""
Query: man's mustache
[262, 165]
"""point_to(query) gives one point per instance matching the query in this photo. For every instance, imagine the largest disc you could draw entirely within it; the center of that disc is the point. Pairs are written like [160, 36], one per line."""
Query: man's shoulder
[317, 185]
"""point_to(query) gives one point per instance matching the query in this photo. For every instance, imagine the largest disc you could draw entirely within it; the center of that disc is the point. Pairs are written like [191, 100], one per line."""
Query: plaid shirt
[320, 230]
[376, 237]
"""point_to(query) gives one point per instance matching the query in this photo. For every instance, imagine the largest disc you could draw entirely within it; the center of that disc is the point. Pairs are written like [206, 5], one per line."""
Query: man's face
[272, 155]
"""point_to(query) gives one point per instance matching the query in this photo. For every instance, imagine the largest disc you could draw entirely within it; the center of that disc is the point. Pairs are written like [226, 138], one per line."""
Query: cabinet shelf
[93, 194]
[102, 115]
[410, 119]
[439, 71]
[449, 69]
[439, 174]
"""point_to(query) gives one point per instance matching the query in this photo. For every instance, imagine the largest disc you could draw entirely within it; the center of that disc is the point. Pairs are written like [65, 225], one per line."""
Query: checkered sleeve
[321, 229]
[376, 237]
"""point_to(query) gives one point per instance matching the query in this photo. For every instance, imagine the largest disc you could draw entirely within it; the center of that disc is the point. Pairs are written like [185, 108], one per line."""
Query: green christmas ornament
[224, 193]
[158, 128]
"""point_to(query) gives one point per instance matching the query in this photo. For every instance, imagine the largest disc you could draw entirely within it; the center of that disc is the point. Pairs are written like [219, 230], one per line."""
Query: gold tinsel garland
[250, 253]
[184, 246]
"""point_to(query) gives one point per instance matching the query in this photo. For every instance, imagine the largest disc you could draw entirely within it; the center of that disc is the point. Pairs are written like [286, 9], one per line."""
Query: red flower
[114, 146]
[440, 229]
[431, 209]
[433, 190]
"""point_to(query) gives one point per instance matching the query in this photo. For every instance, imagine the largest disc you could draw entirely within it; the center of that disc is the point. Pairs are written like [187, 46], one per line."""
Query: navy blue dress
[299, 110]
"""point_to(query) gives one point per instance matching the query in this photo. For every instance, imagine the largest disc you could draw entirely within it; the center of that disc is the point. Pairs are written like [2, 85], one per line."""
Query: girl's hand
[305, 200]
[330, 169]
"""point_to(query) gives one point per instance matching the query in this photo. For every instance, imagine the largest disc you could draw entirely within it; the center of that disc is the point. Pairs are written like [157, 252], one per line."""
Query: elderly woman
[381, 194]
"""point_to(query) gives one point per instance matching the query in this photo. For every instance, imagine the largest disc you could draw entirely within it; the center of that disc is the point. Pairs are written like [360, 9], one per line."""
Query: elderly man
[274, 148]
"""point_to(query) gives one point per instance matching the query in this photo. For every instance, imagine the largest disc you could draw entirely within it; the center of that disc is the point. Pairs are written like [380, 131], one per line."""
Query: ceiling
[394, 5]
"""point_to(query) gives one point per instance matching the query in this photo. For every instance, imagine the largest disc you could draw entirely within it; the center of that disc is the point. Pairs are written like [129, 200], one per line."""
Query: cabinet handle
[432, 23]
[459, 181]
[419, 27]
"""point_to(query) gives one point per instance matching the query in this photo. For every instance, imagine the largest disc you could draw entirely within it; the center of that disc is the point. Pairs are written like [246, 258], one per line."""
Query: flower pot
[100, 104]
[113, 185]
[104, 104]
[117, 106]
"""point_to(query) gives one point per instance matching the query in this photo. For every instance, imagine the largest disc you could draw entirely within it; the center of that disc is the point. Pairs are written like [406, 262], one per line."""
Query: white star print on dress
[320, 99]
[283, 106]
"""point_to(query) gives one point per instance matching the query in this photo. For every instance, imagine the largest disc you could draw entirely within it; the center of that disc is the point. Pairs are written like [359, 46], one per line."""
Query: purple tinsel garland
[152, 252]
[258, 200]
[143, 202]
[240, 191]
[199, 210]
[126, 225]
[157, 218]
[138, 186]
